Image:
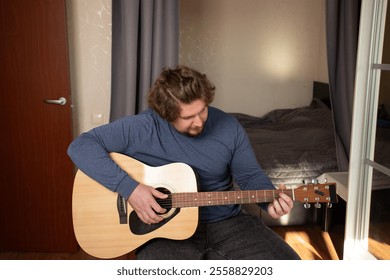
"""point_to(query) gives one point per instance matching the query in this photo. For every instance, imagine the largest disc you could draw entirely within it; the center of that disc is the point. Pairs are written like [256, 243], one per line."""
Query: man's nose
[198, 121]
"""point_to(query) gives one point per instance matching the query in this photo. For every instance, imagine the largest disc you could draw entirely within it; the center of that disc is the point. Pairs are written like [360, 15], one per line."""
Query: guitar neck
[191, 199]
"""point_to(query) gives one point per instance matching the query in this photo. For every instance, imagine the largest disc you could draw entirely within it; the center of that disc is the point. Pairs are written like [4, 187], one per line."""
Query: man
[180, 126]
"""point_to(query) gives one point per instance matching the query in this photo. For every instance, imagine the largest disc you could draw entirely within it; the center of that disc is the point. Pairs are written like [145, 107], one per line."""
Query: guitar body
[95, 209]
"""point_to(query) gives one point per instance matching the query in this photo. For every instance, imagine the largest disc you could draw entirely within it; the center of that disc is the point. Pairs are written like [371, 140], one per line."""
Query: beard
[194, 132]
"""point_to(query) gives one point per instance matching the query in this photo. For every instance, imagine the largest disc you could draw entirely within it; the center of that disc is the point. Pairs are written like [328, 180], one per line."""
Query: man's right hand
[143, 202]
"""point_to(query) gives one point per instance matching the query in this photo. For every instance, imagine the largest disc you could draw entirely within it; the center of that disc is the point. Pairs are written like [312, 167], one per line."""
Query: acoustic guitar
[106, 226]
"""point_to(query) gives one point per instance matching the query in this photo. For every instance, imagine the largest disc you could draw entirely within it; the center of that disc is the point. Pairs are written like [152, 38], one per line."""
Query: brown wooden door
[36, 174]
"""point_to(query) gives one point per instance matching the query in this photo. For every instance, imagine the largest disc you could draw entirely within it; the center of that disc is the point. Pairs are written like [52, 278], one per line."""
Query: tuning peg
[306, 205]
[317, 205]
[329, 205]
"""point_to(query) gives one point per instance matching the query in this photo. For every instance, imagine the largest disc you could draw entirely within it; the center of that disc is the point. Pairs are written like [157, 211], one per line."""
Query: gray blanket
[293, 145]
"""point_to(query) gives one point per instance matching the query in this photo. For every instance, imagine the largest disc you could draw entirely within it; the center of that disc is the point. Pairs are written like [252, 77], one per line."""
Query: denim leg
[192, 248]
[246, 237]
[241, 237]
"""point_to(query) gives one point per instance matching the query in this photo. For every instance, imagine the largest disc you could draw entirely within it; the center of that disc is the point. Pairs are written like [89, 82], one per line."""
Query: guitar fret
[197, 199]
[217, 198]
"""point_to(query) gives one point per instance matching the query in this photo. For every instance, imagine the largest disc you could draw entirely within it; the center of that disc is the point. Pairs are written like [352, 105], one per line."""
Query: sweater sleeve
[90, 153]
[246, 170]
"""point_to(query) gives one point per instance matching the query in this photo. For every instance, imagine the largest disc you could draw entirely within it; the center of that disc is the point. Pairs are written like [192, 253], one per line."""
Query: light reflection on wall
[278, 61]
[268, 51]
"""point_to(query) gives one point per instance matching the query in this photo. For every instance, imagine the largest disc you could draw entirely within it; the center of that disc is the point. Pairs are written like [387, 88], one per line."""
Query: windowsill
[341, 180]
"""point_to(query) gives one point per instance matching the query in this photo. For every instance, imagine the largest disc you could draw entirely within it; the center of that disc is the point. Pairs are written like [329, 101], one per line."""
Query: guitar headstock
[316, 193]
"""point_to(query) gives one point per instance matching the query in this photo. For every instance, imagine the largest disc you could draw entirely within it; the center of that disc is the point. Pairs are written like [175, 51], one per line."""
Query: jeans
[238, 238]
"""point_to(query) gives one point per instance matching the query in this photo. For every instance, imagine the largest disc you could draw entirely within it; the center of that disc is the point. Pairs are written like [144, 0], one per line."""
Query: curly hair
[179, 85]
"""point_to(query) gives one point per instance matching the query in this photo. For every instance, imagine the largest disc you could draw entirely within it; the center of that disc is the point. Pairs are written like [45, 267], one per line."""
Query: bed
[294, 146]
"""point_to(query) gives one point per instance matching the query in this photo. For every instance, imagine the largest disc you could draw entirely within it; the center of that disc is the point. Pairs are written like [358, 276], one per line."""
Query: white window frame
[361, 164]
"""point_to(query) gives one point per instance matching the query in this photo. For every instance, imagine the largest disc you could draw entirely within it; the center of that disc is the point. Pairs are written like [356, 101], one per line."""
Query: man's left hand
[280, 206]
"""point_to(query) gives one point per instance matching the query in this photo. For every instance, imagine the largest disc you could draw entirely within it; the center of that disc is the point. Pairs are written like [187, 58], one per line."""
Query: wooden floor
[310, 242]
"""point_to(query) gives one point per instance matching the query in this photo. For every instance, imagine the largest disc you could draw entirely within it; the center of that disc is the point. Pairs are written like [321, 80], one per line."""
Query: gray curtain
[342, 29]
[145, 38]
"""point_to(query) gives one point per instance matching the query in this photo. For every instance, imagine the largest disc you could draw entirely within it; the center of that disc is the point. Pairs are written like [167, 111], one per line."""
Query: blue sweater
[220, 155]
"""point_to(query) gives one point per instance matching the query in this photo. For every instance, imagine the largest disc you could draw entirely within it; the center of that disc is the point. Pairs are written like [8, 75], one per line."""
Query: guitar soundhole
[139, 228]
[165, 203]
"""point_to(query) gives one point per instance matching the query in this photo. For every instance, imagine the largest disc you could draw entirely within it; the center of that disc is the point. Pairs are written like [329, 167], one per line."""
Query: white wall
[89, 32]
[260, 54]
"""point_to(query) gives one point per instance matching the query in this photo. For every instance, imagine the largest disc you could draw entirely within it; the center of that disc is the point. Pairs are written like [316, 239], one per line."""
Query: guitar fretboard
[192, 199]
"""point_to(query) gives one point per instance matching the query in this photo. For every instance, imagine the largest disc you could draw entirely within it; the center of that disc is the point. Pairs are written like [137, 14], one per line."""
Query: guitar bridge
[121, 205]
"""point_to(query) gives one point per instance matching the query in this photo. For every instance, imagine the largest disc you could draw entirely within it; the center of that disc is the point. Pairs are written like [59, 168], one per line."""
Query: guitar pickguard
[138, 227]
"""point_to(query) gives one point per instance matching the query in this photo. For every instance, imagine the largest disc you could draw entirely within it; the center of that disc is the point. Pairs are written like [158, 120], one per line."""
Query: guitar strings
[204, 198]
[194, 199]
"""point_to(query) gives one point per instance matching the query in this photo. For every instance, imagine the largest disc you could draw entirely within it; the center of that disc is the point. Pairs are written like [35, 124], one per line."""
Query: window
[367, 223]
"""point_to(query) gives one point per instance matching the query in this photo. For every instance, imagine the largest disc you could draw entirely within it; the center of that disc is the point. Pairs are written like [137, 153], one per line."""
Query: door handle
[60, 101]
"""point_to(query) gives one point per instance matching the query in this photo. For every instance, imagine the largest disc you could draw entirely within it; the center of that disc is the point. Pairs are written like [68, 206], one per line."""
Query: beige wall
[89, 29]
[261, 54]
